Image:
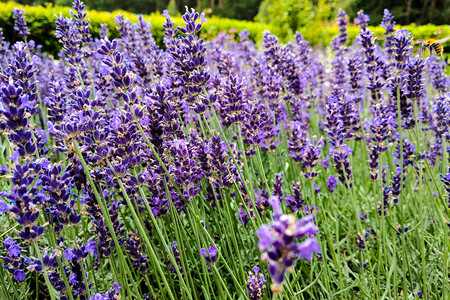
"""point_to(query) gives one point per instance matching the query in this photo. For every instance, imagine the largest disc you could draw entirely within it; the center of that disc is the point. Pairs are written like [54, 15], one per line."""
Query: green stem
[103, 209]
[144, 235]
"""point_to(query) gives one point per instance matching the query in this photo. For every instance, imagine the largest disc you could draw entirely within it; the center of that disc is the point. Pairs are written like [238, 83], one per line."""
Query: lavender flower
[331, 183]
[396, 185]
[362, 239]
[446, 180]
[415, 80]
[255, 284]
[362, 20]
[384, 205]
[341, 39]
[188, 70]
[19, 23]
[295, 201]
[278, 186]
[134, 250]
[277, 242]
[342, 164]
[388, 24]
[375, 143]
[176, 254]
[210, 254]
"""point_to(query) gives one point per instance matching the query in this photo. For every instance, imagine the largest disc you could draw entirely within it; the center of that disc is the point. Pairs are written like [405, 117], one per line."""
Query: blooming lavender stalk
[397, 84]
[234, 102]
[69, 38]
[255, 284]
[339, 41]
[188, 70]
[110, 295]
[134, 250]
[277, 242]
[81, 25]
[440, 122]
[374, 69]
[355, 68]
[388, 24]
[342, 164]
[362, 20]
[278, 186]
[210, 254]
[331, 183]
[446, 180]
[295, 201]
[14, 262]
[176, 254]
[19, 23]
[415, 89]
[379, 132]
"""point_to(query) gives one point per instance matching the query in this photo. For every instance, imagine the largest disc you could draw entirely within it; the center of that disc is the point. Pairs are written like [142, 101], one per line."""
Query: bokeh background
[315, 19]
[294, 12]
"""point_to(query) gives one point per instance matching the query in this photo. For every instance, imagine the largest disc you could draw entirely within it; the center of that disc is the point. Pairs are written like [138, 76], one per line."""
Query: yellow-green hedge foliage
[322, 35]
[41, 22]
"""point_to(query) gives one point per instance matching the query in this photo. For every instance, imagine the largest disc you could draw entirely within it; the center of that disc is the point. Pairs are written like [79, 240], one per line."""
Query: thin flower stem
[158, 229]
[250, 193]
[144, 235]
[103, 209]
[233, 234]
[219, 254]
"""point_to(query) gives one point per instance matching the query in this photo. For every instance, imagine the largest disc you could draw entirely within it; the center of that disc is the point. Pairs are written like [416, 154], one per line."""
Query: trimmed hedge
[41, 22]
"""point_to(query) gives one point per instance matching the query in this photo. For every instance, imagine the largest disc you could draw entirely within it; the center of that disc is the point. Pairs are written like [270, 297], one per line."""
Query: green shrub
[320, 34]
[41, 22]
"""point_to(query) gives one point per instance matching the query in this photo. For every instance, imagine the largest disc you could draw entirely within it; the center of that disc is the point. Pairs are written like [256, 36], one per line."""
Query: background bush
[41, 22]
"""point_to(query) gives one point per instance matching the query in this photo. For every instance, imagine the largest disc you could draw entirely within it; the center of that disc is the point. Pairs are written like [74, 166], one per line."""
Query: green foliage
[237, 9]
[290, 15]
[287, 15]
[321, 34]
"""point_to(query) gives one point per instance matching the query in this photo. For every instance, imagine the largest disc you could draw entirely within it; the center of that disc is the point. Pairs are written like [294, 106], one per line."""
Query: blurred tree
[172, 8]
[405, 12]
[235, 9]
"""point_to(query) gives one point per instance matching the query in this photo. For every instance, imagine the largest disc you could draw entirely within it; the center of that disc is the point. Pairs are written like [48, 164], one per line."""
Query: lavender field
[222, 169]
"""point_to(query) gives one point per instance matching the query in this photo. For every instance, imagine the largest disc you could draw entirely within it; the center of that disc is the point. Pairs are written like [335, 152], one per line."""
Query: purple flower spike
[278, 242]
[255, 284]
[210, 254]
[362, 20]
[19, 23]
[331, 183]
